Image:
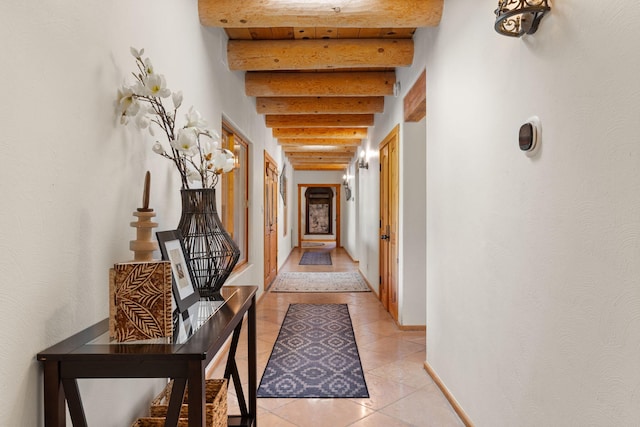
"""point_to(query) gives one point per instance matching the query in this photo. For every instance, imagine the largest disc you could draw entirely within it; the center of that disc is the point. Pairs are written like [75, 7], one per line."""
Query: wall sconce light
[516, 18]
[347, 189]
[363, 163]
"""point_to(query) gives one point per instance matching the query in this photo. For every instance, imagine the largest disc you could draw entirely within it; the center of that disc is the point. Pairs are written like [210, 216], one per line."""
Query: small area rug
[312, 244]
[315, 258]
[315, 355]
[320, 282]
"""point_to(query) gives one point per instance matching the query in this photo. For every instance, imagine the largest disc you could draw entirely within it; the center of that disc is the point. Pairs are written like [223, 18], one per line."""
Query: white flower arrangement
[194, 149]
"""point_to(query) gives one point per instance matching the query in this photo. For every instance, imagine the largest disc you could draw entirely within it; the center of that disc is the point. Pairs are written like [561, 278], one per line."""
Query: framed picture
[172, 249]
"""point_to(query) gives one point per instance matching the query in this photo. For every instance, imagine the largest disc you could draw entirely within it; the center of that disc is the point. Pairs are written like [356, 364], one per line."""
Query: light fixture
[363, 163]
[516, 18]
[347, 189]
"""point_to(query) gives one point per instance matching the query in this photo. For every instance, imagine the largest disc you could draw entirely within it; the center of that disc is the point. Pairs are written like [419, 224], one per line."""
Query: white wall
[533, 263]
[349, 228]
[413, 224]
[285, 240]
[368, 200]
[71, 176]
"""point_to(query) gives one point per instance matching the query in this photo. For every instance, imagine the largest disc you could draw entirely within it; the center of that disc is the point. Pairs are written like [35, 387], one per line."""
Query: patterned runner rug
[315, 258]
[315, 355]
[320, 282]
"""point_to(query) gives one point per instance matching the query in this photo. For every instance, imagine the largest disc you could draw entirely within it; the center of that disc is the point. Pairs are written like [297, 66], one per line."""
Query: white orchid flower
[193, 175]
[136, 53]
[158, 149]
[128, 105]
[223, 161]
[209, 147]
[195, 120]
[230, 165]
[155, 85]
[176, 97]
[186, 142]
[148, 66]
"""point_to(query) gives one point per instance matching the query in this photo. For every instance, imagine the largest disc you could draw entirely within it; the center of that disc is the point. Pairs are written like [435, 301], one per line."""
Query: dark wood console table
[88, 355]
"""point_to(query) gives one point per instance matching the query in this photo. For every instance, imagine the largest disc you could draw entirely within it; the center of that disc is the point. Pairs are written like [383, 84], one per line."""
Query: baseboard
[447, 394]
[411, 327]
[367, 282]
[349, 255]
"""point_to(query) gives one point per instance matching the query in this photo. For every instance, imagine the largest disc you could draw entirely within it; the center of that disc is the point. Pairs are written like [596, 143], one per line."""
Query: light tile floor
[401, 392]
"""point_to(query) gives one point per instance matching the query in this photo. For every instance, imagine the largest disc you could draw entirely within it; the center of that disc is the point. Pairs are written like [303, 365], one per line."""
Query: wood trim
[344, 142]
[237, 137]
[411, 327]
[313, 14]
[366, 83]
[319, 54]
[318, 120]
[338, 133]
[320, 105]
[317, 167]
[415, 102]
[338, 213]
[448, 395]
[268, 160]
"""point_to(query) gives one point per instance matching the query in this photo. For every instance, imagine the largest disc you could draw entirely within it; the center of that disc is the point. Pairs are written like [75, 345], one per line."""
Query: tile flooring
[401, 392]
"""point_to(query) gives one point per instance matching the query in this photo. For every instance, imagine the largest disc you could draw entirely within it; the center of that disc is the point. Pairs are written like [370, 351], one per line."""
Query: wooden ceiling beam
[320, 167]
[319, 160]
[303, 142]
[309, 13]
[318, 120]
[320, 105]
[365, 83]
[319, 149]
[320, 133]
[318, 54]
[319, 154]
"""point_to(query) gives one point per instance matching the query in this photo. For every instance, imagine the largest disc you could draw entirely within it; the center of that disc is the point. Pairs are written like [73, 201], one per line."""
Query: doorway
[270, 220]
[303, 211]
[389, 201]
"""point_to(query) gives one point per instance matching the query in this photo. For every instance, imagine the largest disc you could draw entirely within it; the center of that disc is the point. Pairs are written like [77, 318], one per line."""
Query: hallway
[401, 392]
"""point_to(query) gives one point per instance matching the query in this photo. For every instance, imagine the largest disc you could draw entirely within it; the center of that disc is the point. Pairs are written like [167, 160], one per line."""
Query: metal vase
[212, 252]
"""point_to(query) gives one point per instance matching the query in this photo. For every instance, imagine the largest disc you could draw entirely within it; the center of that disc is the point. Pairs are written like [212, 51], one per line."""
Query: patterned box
[140, 301]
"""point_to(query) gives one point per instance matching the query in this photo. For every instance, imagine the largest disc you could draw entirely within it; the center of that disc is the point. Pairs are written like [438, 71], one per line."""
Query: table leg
[54, 407]
[175, 402]
[251, 348]
[74, 401]
[197, 396]
[231, 370]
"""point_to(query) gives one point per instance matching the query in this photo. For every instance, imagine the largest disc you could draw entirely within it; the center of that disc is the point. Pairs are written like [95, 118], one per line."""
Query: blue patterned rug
[315, 355]
[315, 258]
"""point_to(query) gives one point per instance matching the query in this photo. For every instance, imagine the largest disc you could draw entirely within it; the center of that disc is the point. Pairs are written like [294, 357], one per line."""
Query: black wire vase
[212, 252]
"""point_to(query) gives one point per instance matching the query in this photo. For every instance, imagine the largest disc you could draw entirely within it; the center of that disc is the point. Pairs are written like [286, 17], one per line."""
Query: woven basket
[216, 404]
[157, 422]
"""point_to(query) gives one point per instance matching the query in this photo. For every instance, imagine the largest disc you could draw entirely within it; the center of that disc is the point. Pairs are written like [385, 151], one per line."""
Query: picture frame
[172, 249]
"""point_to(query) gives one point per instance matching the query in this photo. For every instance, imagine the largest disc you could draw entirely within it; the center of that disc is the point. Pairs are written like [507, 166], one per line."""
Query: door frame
[338, 216]
[269, 160]
[386, 267]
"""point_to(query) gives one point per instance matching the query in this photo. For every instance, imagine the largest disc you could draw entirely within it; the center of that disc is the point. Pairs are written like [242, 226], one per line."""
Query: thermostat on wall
[529, 135]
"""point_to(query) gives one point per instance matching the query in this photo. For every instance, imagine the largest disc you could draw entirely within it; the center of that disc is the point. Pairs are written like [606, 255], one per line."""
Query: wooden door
[389, 202]
[270, 220]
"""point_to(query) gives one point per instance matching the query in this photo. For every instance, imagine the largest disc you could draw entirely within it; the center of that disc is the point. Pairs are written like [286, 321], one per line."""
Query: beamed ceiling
[319, 70]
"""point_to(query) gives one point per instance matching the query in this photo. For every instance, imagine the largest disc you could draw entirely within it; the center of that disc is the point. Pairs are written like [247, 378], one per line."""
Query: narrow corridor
[401, 392]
